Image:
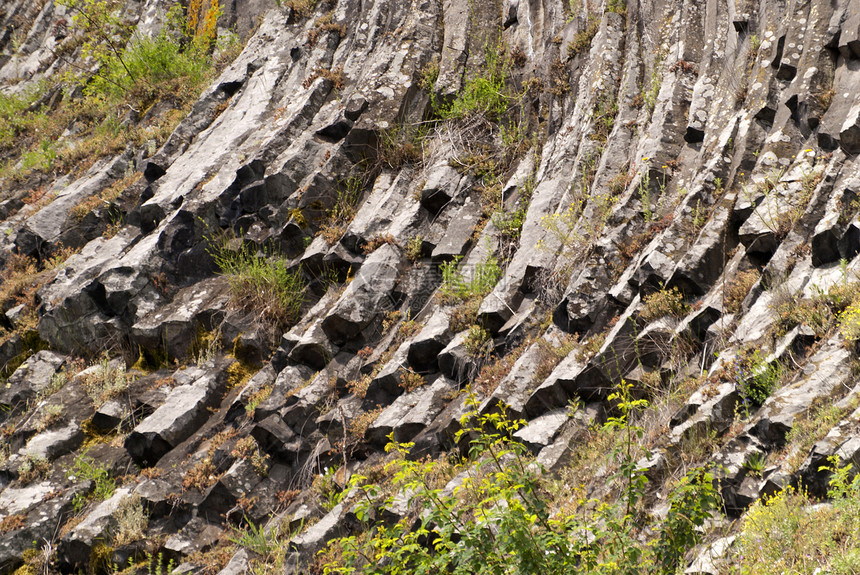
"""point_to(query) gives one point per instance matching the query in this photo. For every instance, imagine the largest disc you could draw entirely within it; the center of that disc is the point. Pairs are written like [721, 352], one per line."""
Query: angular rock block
[182, 413]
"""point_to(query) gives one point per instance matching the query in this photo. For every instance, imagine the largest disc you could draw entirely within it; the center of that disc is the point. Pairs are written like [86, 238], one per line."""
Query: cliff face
[661, 192]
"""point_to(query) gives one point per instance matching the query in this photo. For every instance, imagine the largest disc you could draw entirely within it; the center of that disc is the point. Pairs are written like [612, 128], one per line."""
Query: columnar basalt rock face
[494, 207]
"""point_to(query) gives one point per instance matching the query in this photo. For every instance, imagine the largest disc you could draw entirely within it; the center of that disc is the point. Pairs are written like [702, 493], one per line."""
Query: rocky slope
[667, 195]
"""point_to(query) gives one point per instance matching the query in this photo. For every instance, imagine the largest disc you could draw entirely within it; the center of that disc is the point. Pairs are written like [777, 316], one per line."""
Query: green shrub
[484, 93]
[151, 69]
[262, 284]
[86, 468]
[502, 518]
[785, 534]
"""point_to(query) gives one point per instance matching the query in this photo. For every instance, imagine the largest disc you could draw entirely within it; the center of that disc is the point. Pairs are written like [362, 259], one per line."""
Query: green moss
[150, 360]
[31, 343]
[100, 560]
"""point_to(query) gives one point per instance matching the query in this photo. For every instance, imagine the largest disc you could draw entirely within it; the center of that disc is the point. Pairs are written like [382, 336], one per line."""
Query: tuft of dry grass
[738, 289]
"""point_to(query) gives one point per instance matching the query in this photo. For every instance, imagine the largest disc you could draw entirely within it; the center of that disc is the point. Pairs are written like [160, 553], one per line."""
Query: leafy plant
[783, 533]
[757, 378]
[457, 285]
[326, 488]
[755, 464]
[343, 210]
[501, 518]
[476, 340]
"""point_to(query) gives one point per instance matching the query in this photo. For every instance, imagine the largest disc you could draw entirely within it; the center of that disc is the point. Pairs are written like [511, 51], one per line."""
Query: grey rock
[541, 431]
[316, 536]
[174, 327]
[184, 410]
[458, 232]
[426, 345]
[31, 377]
[411, 413]
[75, 547]
[366, 297]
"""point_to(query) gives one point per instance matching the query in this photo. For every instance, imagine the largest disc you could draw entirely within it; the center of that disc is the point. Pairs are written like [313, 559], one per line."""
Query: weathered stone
[455, 362]
[458, 232]
[76, 547]
[110, 416]
[411, 413]
[426, 345]
[541, 431]
[183, 412]
[196, 535]
[315, 537]
[174, 327]
[441, 186]
[53, 443]
[366, 297]
[31, 377]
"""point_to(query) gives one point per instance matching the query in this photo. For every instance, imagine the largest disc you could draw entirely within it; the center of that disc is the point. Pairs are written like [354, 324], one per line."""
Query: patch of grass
[257, 398]
[485, 93]
[400, 145]
[262, 284]
[818, 421]
[103, 198]
[343, 211]
[550, 355]
[414, 247]
[738, 289]
[757, 378]
[106, 383]
[662, 303]
[459, 285]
